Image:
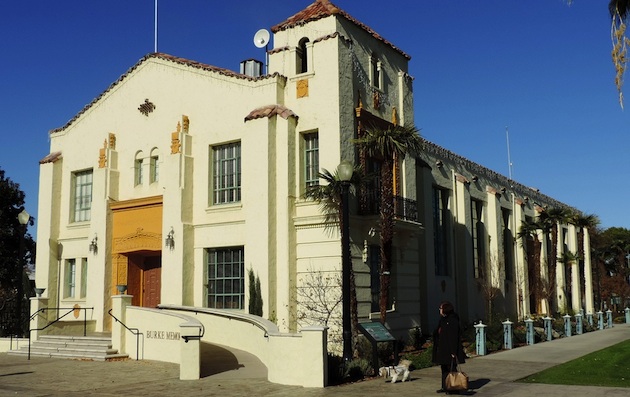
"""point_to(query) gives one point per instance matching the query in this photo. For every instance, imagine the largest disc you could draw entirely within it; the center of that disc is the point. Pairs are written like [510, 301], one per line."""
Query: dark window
[508, 246]
[478, 238]
[374, 261]
[227, 173]
[226, 278]
[301, 62]
[440, 223]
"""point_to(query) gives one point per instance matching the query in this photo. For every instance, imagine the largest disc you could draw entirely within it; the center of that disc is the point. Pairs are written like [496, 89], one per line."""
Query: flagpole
[155, 47]
[507, 137]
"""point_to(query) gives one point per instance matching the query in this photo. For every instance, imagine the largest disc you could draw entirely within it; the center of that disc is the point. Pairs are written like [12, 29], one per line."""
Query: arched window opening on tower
[301, 61]
[375, 71]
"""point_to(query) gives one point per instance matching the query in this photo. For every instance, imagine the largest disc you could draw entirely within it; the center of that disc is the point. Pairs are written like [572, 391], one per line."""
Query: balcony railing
[404, 208]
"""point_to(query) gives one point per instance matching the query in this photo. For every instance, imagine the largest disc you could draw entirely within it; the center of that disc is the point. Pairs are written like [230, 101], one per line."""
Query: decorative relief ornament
[147, 107]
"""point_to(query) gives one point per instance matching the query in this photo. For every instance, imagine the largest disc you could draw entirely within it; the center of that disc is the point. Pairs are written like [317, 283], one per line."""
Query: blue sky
[541, 68]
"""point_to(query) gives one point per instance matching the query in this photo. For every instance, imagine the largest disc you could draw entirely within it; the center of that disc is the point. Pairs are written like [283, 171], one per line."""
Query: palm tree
[568, 259]
[331, 205]
[387, 145]
[551, 218]
[586, 224]
[528, 234]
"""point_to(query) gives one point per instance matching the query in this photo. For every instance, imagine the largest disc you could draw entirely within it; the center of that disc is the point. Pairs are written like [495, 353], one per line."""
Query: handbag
[456, 380]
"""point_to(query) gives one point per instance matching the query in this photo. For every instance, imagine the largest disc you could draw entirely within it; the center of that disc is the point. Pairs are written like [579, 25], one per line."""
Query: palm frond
[328, 195]
[621, 7]
[393, 140]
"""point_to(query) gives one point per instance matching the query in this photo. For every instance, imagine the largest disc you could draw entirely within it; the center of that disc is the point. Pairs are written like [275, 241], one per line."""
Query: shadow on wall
[216, 359]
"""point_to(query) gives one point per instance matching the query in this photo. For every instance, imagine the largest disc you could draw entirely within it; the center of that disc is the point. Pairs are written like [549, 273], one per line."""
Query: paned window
[154, 167]
[478, 238]
[138, 173]
[440, 227]
[311, 159]
[84, 264]
[82, 196]
[227, 173]
[508, 246]
[70, 278]
[374, 261]
[226, 278]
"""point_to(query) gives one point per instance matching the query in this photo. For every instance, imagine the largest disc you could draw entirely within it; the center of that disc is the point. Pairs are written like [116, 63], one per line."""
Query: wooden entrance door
[144, 279]
[152, 281]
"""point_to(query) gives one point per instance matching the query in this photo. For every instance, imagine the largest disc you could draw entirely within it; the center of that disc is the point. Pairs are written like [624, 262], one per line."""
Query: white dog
[395, 371]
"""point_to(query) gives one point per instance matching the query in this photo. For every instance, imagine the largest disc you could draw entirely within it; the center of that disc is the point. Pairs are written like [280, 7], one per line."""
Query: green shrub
[357, 369]
[419, 359]
[339, 373]
[335, 369]
[416, 339]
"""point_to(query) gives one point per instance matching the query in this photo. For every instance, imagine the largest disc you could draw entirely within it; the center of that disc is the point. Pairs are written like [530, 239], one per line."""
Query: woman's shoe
[440, 391]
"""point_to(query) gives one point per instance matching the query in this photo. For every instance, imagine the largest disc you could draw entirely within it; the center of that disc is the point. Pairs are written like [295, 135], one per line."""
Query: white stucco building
[181, 177]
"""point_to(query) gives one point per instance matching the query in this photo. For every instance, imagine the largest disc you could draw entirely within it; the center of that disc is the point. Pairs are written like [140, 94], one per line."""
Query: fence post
[609, 318]
[567, 324]
[529, 331]
[627, 310]
[480, 331]
[189, 350]
[507, 334]
[578, 324]
[548, 330]
[119, 309]
[589, 318]
[600, 320]
[41, 319]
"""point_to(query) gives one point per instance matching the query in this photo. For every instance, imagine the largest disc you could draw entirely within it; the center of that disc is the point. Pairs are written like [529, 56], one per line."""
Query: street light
[344, 171]
[23, 218]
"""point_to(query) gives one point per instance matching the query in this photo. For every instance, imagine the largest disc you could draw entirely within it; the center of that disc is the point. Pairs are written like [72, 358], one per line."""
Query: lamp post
[23, 218]
[344, 171]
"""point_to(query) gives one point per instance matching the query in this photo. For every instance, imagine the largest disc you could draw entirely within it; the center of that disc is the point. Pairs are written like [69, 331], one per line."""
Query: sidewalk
[491, 375]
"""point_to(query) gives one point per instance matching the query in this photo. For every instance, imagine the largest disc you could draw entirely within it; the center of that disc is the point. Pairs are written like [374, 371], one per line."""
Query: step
[92, 357]
[72, 347]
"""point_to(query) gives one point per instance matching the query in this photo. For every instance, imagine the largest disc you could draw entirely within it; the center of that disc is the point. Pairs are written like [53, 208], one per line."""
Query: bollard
[609, 318]
[480, 331]
[507, 334]
[627, 310]
[567, 325]
[529, 331]
[547, 322]
[600, 320]
[589, 318]
[582, 312]
[578, 324]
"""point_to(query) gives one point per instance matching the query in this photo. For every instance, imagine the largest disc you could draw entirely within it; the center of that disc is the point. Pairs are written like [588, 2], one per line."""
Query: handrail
[43, 309]
[201, 333]
[134, 331]
[216, 312]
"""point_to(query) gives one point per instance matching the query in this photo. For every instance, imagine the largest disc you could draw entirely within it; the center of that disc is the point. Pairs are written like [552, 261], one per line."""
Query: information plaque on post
[377, 333]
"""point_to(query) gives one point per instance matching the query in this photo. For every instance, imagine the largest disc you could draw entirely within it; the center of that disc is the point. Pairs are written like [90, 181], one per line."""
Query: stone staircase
[97, 348]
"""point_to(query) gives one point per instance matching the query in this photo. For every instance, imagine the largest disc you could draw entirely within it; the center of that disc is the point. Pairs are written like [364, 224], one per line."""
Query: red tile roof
[50, 158]
[322, 9]
[270, 111]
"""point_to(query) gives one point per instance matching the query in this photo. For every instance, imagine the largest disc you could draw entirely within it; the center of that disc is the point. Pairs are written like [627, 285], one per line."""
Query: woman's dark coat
[447, 340]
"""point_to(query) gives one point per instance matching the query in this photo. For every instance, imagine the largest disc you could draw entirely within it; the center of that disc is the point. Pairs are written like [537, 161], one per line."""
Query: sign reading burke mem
[165, 335]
